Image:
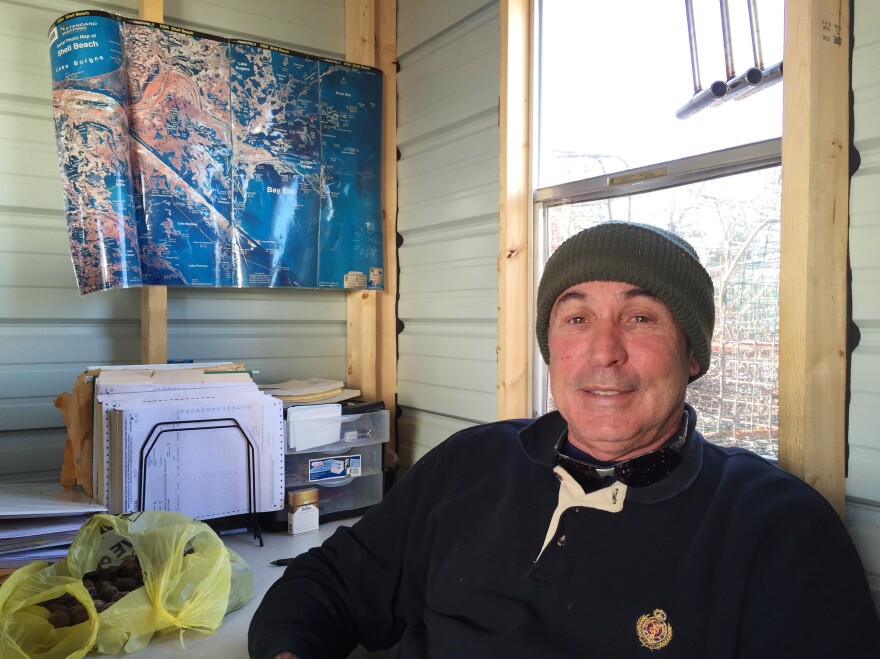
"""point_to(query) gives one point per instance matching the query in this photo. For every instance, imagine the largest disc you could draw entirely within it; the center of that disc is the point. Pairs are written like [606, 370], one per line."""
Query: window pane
[610, 85]
[733, 223]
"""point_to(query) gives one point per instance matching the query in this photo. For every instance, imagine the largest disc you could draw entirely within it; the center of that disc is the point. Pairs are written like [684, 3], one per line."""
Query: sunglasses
[640, 471]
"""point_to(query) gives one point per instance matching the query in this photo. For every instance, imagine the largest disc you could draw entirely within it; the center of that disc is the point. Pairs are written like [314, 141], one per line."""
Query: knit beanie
[648, 257]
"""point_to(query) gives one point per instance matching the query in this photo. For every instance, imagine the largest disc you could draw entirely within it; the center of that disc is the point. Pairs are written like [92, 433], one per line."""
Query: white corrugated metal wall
[863, 484]
[447, 133]
[448, 202]
[48, 333]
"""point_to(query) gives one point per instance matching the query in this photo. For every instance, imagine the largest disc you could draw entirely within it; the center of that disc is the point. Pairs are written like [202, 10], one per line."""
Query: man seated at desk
[609, 528]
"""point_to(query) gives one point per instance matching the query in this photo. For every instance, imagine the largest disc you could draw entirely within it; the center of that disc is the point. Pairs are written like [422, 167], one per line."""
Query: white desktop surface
[230, 639]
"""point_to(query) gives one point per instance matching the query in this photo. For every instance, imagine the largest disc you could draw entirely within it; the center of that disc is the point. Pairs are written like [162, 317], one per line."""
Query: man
[609, 528]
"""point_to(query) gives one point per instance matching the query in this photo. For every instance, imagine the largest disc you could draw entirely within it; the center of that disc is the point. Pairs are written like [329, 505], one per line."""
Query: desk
[230, 639]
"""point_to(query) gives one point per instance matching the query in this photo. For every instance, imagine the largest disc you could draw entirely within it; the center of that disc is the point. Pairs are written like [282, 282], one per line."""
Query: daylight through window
[612, 148]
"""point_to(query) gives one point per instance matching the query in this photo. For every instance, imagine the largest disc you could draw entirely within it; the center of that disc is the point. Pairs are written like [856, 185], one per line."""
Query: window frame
[815, 234]
[658, 176]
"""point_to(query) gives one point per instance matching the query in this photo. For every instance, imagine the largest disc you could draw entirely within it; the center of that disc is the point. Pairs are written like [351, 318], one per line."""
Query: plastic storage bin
[348, 472]
[343, 432]
[332, 468]
[354, 495]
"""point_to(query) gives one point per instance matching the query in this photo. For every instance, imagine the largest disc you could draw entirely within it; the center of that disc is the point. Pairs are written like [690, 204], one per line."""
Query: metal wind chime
[735, 86]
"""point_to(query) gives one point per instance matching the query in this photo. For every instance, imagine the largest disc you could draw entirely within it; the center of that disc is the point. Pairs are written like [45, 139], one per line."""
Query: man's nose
[607, 347]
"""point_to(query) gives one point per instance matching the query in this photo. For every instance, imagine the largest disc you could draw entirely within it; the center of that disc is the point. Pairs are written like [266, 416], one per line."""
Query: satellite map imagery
[188, 159]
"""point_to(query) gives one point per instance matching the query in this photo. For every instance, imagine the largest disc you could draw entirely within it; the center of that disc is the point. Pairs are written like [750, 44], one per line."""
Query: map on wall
[188, 159]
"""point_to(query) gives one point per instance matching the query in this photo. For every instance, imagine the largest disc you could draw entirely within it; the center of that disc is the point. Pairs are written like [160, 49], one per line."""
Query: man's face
[619, 367]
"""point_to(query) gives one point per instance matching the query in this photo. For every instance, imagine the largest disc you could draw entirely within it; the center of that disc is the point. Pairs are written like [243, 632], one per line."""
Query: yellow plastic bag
[25, 631]
[191, 579]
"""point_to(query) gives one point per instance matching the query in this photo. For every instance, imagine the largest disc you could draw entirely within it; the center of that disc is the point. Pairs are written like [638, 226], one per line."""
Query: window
[612, 147]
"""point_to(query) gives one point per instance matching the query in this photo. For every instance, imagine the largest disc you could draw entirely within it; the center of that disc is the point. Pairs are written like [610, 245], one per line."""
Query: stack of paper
[313, 390]
[78, 409]
[38, 521]
[204, 444]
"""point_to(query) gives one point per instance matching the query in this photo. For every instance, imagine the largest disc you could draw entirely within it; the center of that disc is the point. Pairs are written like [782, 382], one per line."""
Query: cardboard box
[302, 510]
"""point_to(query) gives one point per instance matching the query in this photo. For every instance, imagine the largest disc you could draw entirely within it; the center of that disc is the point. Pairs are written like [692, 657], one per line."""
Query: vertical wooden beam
[360, 31]
[154, 324]
[386, 59]
[361, 306]
[513, 255]
[154, 299]
[362, 342]
[371, 39]
[815, 205]
[151, 10]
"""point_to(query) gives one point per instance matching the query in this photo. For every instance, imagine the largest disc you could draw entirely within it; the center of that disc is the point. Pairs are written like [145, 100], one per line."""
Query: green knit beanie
[638, 254]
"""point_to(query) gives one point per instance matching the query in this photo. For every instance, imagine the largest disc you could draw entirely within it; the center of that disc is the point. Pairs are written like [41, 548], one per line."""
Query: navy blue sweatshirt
[483, 550]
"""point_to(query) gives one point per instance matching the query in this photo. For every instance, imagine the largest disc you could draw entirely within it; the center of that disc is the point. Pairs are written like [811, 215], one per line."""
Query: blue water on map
[221, 163]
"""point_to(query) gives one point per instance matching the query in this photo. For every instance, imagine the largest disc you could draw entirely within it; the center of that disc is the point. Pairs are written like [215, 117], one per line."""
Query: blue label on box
[335, 467]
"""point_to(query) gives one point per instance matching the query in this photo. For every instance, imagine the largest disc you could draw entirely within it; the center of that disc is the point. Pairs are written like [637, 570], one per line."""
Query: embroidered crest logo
[653, 630]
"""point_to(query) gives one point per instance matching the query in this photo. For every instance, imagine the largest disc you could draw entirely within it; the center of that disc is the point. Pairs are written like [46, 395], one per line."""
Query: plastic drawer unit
[348, 471]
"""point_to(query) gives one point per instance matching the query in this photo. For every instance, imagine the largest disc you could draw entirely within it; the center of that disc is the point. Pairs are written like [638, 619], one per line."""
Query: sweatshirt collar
[539, 438]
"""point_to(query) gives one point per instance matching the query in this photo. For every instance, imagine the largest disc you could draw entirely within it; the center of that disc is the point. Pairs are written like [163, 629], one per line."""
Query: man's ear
[693, 364]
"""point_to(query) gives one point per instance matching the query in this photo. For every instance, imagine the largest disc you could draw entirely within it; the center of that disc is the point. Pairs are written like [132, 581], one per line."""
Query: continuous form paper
[202, 473]
[110, 395]
[79, 408]
[206, 470]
